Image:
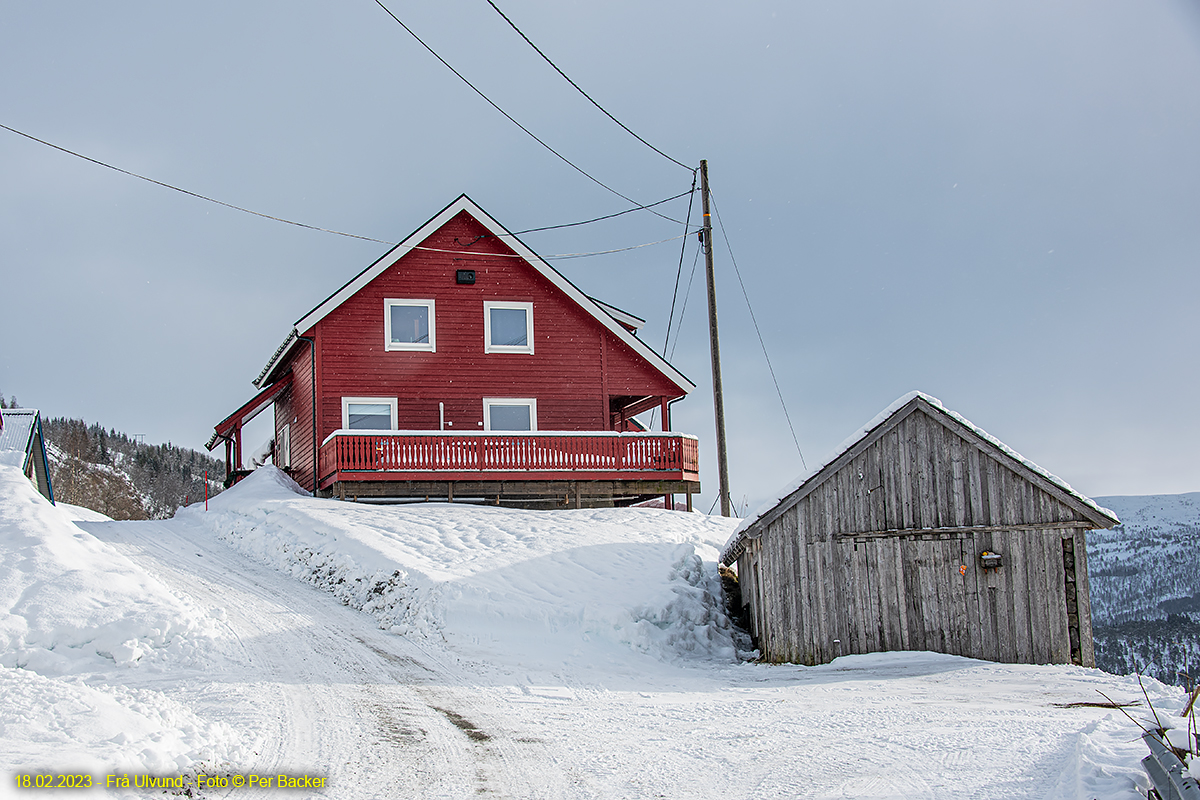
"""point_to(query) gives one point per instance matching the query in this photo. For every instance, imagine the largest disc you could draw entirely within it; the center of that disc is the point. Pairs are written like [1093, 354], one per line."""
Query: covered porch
[229, 430]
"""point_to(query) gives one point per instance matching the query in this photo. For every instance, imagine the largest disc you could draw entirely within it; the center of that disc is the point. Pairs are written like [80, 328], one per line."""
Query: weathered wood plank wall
[883, 554]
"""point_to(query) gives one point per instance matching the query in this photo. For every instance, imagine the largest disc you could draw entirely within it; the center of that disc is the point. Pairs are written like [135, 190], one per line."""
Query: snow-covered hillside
[1145, 576]
[449, 651]
[1149, 565]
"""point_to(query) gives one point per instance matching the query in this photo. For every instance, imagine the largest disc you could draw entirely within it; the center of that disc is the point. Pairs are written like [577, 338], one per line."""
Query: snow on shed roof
[733, 547]
[17, 434]
[606, 315]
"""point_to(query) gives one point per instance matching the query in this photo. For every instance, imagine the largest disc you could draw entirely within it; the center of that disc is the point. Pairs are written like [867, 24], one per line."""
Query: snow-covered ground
[449, 651]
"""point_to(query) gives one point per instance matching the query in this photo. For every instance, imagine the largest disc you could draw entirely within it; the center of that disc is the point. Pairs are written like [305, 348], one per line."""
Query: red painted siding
[565, 374]
[295, 406]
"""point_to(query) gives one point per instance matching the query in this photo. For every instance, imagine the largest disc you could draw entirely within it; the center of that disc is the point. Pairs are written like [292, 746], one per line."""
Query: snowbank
[55, 724]
[70, 603]
[538, 586]
[76, 619]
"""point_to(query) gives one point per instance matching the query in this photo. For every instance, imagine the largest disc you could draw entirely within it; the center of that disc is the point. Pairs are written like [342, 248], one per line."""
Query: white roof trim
[624, 317]
[464, 203]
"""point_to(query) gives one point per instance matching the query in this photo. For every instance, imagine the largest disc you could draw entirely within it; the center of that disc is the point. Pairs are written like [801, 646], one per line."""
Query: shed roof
[16, 435]
[608, 316]
[890, 416]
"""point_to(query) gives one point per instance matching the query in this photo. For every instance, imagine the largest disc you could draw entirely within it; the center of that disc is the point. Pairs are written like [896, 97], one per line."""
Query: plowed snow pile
[536, 589]
[74, 612]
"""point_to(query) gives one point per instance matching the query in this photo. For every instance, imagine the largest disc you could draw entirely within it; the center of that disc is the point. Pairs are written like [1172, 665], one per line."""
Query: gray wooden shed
[922, 533]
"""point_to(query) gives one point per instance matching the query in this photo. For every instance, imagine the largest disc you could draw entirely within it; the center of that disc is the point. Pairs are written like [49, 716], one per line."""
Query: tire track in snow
[322, 690]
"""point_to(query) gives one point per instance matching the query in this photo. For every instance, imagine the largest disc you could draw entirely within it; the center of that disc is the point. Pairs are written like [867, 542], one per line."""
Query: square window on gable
[507, 327]
[409, 325]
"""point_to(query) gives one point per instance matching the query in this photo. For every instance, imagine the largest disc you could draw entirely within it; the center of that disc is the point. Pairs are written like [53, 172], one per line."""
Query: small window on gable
[369, 413]
[507, 327]
[509, 414]
[409, 325]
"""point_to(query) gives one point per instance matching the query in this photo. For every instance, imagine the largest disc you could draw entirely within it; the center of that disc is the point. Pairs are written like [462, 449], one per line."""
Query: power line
[510, 117]
[686, 294]
[617, 250]
[567, 78]
[609, 216]
[678, 272]
[753, 319]
[191, 193]
[306, 226]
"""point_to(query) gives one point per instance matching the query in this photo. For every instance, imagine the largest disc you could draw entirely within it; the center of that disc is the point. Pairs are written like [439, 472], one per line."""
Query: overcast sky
[996, 203]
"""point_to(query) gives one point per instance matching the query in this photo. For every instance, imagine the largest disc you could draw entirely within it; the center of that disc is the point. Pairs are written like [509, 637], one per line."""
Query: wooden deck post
[237, 447]
[668, 499]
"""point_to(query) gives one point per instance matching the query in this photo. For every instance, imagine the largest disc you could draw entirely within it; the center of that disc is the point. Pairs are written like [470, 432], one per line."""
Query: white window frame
[488, 402]
[488, 347]
[284, 450]
[347, 401]
[388, 344]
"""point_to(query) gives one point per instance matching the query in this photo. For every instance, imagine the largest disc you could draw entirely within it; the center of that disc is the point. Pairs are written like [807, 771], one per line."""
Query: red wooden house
[461, 365]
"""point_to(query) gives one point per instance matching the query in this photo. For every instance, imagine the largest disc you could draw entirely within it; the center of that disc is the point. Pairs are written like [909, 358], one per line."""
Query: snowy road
[490, 652]
[317, 688]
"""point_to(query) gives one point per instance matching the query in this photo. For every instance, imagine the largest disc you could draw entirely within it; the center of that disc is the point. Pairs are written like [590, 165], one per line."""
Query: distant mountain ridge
[1145, 587]
[113, 473]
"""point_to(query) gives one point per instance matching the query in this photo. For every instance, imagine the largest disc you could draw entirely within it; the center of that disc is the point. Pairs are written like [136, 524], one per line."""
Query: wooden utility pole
[715, 347]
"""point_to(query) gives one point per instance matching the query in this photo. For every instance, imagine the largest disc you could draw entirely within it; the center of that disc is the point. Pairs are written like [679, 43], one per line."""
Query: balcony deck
[526, 468]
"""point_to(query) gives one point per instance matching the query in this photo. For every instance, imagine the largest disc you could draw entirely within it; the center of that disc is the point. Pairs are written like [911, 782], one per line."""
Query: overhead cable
[306, 226]
[591, 100]
[679, 271]
[190, 193]
[510, 117]
[608, 216]
[753, 319]
[686, 294]
[618, 249]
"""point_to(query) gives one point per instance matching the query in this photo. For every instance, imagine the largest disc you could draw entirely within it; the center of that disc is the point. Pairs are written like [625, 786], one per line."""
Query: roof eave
[1102, 518]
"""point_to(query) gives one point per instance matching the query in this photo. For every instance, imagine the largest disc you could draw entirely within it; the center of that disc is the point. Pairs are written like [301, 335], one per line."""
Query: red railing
[386, 455]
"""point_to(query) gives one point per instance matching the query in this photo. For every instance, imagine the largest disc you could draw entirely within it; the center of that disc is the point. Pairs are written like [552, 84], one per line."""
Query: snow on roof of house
[608, 316]
[624, 317]
[734, 546]
[17, 434]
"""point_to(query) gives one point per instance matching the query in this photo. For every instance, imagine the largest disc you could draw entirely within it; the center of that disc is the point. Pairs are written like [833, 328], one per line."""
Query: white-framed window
[283, 452]
[369, 413]
[509, 414]
[409, 325]
[507, 327]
